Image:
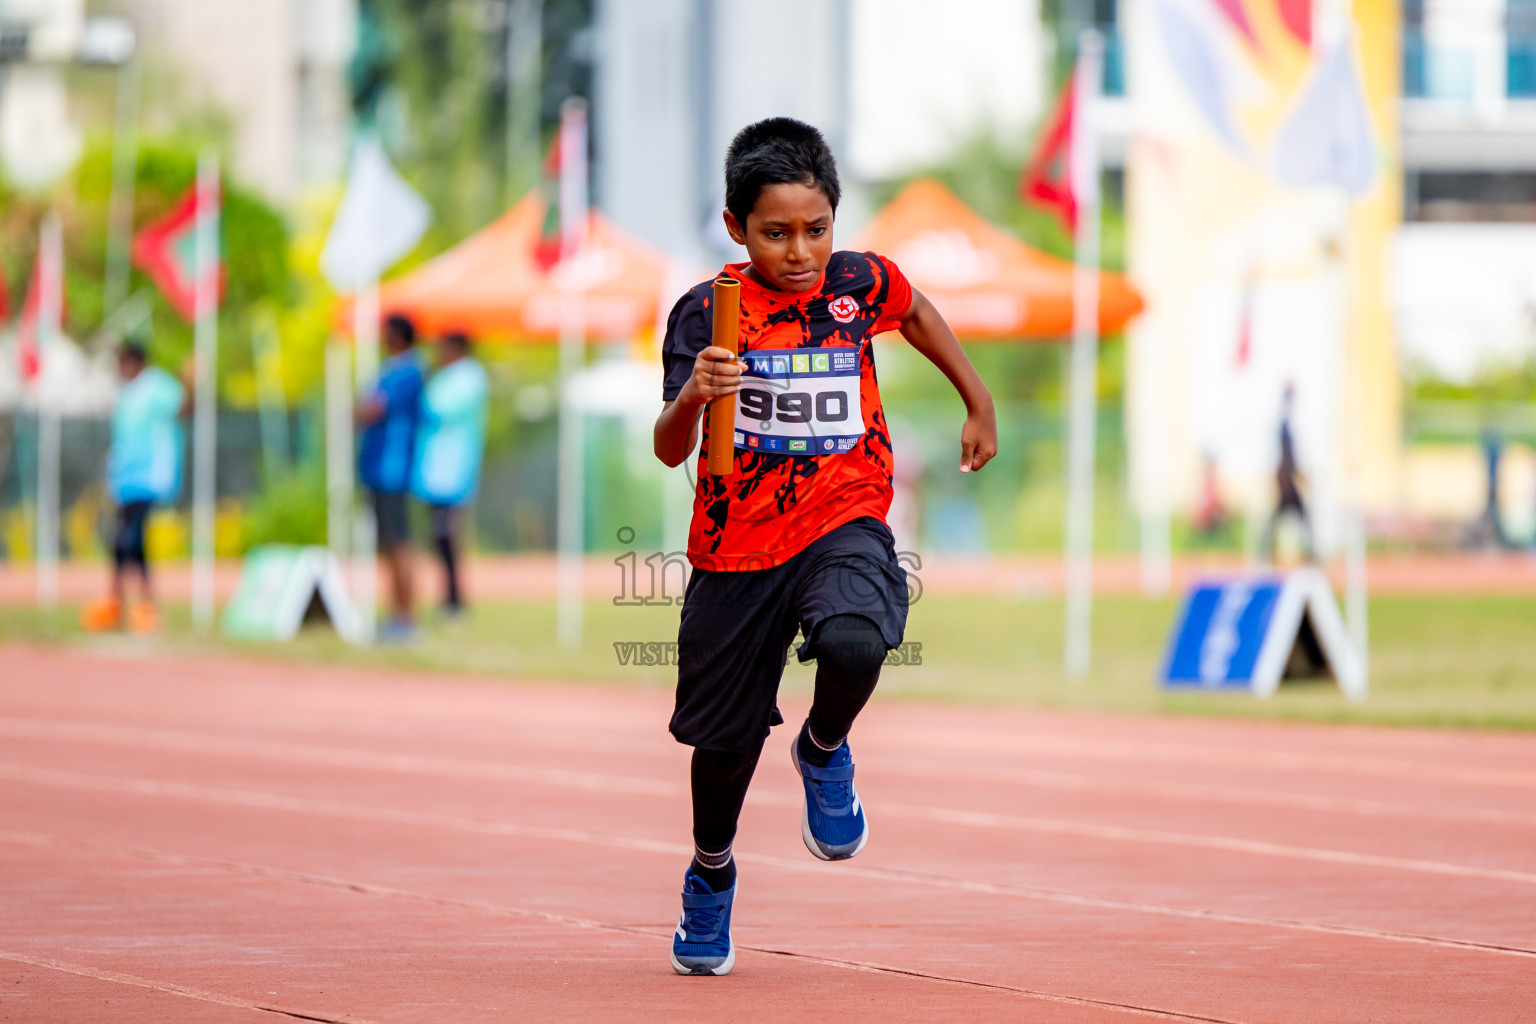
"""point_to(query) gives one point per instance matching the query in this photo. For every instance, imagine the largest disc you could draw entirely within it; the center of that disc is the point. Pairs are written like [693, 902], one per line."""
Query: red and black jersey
[796, 478]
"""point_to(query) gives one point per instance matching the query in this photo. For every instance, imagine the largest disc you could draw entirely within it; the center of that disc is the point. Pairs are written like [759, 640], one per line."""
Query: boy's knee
[851, 645]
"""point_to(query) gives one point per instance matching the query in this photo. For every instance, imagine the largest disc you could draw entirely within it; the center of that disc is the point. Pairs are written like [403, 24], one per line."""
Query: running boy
[795, 538]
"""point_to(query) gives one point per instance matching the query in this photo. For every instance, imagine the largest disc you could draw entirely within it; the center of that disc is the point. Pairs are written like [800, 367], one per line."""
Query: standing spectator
[1288, 479]
[390, 415]
[143, 470]
[1489, 530]
[1211, 515]
[449, 447]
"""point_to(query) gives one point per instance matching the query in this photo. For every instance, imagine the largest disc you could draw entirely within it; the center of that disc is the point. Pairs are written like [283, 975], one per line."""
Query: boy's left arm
[927, 332]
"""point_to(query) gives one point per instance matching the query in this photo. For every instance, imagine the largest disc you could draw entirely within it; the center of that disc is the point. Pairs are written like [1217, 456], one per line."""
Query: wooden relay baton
[722, 411]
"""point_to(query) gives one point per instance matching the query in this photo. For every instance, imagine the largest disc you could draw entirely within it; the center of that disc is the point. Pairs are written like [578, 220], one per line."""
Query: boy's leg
[393, 537]
[138, 558]
[107, 613]
[444, 530]
[849, 653]
[732, 642]
[720, 780]
[851, 599]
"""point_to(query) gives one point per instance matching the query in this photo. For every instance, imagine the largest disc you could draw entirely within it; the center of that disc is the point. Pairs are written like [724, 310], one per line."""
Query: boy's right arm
[715, 375]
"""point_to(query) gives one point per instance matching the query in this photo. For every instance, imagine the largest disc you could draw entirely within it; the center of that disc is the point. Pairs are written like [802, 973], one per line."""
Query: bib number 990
[793, 406]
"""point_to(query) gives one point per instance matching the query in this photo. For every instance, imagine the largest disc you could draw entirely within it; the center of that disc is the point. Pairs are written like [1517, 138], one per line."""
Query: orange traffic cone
[102, 614]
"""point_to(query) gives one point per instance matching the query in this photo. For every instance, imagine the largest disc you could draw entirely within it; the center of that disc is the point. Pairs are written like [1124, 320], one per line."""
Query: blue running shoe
[702, 943]
[833, 825]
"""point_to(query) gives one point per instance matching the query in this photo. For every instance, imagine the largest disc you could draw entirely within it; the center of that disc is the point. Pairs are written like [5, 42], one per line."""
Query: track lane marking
[280, 750]
[971, 819]
[1420, 769]
[974, 819]
[201, 995]
[370, 889]
[272, 801]
[368, 760]
[1222, 757]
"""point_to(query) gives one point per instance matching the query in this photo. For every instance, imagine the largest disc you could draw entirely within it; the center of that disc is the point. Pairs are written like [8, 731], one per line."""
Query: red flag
[27, 351]
[1047, 179]
[26, 330]
[166, 250]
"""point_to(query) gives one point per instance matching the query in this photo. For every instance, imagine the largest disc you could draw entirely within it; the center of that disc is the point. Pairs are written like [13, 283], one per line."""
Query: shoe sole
[705, 972]
[805, 818]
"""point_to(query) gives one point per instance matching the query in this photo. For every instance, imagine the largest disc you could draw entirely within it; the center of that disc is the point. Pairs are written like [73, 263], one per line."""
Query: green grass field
[1443, 661]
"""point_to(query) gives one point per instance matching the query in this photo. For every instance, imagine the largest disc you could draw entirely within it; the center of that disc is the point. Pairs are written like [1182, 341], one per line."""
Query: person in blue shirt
[143, 470]
[390, 416]
[449, 445]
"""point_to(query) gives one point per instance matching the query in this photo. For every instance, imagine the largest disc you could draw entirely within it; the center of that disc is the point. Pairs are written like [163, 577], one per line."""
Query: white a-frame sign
[1249, 634]
[283, 586]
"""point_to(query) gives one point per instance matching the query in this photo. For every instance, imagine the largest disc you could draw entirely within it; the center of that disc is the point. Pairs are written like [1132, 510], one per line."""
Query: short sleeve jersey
[389, 445]
[776, 503]
[450, 439]
[144, 463]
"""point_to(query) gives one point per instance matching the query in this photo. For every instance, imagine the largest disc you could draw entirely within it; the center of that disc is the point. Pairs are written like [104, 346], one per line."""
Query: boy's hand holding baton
[722, 411]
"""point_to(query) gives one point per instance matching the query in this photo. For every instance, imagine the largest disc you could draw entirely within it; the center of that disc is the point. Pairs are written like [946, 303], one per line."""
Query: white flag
[380, 220]
[1327, 139]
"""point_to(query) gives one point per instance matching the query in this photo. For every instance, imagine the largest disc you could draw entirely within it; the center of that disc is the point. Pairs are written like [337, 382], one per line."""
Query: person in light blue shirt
[389, 416]
[143, 470]
[450, 443]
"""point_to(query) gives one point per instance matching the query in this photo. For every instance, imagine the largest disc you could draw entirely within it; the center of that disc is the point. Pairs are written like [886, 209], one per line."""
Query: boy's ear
[735, 228]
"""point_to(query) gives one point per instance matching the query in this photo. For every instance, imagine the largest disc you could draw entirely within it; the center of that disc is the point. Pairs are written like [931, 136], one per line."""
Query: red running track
[225, 840]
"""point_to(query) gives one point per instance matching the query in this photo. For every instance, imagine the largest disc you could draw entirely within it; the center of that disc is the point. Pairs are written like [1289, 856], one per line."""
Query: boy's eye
[820, 230]
[775, 234]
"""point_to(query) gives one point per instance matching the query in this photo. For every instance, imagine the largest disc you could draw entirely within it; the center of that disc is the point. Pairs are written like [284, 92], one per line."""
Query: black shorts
[736, 630]
[390, 520]
[445, 522]
[128, 544]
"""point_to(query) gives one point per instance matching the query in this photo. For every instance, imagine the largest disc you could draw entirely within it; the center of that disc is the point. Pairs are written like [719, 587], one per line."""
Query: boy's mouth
[800, 276]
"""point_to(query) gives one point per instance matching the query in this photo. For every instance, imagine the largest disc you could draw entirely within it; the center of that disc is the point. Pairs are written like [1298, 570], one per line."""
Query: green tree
[255, 247]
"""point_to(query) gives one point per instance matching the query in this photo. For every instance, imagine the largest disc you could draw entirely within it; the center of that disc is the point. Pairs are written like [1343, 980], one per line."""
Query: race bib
[799, 401]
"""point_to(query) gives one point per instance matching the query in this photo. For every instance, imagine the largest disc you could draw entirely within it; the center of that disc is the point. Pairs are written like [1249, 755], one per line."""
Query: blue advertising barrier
[1250, 633]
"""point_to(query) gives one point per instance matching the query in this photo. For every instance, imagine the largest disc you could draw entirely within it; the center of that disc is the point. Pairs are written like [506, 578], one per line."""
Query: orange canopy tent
[492, 284]
[986, 283]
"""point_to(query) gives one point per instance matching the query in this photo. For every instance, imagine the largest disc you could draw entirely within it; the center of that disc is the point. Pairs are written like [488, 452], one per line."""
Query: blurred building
[277, 69]
[895, 84]
[1465, 281]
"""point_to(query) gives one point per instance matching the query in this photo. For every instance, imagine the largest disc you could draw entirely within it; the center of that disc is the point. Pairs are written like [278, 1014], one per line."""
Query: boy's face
[788, 236]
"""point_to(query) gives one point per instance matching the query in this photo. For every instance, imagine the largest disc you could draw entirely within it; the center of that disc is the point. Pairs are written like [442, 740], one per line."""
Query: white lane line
[368, 760]
[971, 819]
[1201, 792]
[201, 995]
[405, 764]
[1116, 833]
[273, 801]
[1225, 758]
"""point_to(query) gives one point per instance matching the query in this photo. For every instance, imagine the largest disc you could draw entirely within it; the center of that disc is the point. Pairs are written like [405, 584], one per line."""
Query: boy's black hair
[133, 348]
[777, 151]
[458, 340]
[402, 327]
